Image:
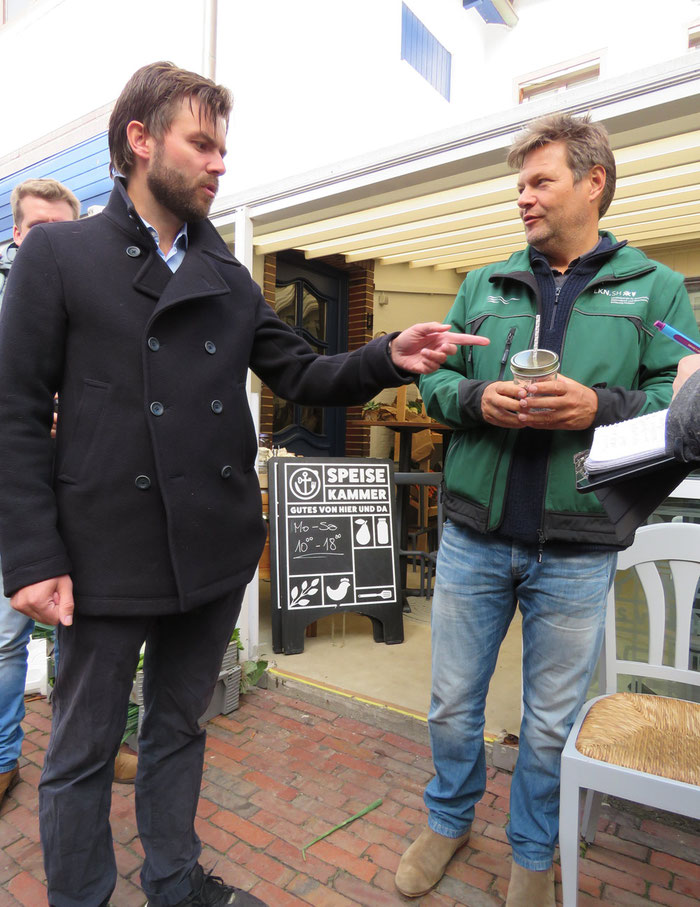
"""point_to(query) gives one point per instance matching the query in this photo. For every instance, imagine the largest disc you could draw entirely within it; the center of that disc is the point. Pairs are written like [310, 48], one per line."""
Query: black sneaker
[210, 891]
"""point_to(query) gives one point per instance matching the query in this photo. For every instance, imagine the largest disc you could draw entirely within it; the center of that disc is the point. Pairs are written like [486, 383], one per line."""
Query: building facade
[366, 167]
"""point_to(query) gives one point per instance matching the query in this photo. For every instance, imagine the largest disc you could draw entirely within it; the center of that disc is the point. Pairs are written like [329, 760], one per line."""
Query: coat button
[153, 344]
[210, 347]
[226, 472]
[157, 408]
[217, 406]
[142, 482]
[133, 251]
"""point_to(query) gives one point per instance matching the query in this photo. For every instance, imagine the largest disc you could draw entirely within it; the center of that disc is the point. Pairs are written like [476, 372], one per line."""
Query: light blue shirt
[177, 251]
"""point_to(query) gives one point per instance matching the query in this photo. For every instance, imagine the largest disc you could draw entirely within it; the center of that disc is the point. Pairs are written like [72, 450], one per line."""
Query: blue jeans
[479, 583]
[15, 630]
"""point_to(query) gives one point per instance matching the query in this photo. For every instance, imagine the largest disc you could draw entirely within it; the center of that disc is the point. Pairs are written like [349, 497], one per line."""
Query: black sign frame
[333, 546]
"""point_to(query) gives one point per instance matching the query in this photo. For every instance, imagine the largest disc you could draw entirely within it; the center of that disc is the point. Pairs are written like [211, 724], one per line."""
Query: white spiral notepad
[632, 441]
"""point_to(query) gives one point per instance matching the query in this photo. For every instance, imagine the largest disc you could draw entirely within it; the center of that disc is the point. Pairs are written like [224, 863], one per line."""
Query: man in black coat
[146, 525]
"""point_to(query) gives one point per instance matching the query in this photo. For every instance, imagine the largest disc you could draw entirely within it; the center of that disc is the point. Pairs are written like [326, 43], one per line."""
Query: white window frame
[554, 79]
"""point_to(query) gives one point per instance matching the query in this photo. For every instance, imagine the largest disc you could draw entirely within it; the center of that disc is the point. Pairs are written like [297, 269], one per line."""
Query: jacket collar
[198, 275]
[618, 261]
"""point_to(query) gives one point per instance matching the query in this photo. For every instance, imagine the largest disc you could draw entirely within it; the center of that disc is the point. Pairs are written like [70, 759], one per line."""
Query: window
[694, 37]
[556, 80]
[692, 285]
[12, 8]
[425, 53]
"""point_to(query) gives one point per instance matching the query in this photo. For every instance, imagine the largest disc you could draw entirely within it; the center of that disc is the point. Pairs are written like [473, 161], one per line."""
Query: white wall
[325, 82]
[315, 81]
[320, 81]
[66, 58]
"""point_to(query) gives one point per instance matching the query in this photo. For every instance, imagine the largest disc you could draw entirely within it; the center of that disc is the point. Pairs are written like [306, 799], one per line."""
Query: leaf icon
[295, 592]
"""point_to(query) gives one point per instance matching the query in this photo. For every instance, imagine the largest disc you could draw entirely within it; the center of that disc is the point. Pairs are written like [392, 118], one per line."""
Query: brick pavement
[281, 770]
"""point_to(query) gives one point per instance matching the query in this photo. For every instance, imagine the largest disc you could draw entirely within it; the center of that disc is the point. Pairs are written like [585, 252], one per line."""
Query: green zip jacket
[610, 344]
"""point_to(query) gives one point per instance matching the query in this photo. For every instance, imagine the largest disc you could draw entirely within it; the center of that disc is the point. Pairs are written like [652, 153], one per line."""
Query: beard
[172, 190]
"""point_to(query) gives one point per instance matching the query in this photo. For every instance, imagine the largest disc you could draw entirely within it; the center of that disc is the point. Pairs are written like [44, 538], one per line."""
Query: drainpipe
[209, 42]
[249, 621]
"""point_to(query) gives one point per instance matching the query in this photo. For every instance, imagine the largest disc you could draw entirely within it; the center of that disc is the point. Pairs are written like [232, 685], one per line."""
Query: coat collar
[198, 275]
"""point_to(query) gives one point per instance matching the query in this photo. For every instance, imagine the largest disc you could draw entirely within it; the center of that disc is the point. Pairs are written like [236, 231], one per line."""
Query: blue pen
[677, 336]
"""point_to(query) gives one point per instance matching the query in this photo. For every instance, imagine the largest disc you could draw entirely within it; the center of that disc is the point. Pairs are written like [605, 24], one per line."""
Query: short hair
[48, 189]
[587, 145]
[152, 96]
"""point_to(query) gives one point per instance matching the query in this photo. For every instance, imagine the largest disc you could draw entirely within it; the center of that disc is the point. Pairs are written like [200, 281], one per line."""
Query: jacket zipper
[506, 351]
[474, 329]
[541, 539]
[557, 291]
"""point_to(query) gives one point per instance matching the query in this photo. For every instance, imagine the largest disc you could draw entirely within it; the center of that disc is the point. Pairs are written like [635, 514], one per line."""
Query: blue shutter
[424, 52]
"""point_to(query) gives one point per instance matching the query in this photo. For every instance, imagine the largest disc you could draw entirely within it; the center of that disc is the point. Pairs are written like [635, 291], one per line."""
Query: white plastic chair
[666, 786]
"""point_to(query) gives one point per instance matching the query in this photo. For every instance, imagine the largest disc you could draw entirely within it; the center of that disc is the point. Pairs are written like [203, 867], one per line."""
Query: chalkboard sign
[332, 546]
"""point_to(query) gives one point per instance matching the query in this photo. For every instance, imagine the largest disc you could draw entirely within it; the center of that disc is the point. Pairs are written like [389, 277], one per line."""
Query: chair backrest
[678, 544]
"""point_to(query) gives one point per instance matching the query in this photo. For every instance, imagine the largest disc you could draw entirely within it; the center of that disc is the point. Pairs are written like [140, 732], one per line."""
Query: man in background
[518, 533]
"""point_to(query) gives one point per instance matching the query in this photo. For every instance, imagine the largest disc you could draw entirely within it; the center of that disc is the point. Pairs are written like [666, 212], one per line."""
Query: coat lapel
[197, 276]
[153, 277]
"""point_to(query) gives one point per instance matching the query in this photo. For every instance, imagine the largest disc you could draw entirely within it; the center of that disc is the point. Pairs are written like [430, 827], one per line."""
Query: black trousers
[99, 657]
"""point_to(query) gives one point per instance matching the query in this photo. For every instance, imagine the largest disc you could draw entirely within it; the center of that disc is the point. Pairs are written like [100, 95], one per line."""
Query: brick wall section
[360, 321]
[360, 317]
[268, 288]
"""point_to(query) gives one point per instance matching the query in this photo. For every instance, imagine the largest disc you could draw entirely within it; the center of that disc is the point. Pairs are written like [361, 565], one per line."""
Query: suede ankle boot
[425, 861]
[8, 781]
[529, 887]
[125, 766]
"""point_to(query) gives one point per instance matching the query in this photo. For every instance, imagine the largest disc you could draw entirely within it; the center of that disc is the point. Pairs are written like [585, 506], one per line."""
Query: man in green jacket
[518, 533]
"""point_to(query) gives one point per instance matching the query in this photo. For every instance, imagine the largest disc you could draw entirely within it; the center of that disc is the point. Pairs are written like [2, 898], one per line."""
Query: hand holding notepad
[625, 443]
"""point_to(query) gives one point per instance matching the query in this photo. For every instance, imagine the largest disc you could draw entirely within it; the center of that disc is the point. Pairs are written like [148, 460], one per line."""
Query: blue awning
[84, 168]
[495, 12]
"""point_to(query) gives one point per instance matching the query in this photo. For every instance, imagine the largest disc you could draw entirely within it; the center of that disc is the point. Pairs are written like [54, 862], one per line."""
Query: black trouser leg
[181, 667]
[98, 660]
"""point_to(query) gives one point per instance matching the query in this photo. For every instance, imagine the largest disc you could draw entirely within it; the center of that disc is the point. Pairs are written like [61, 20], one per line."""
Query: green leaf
[362, 812]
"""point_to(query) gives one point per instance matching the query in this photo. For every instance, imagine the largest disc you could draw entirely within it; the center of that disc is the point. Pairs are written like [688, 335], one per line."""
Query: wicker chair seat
[653, 734]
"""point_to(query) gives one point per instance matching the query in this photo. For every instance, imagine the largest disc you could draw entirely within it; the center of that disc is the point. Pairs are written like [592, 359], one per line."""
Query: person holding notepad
[683, 421]
[518, 533]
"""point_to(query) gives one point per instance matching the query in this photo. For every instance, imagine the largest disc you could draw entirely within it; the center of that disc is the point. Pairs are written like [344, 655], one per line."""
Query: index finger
[550, 388]
[467, 339]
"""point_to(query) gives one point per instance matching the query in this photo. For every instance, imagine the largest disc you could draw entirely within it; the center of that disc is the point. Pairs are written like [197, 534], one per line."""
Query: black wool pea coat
[150, 501]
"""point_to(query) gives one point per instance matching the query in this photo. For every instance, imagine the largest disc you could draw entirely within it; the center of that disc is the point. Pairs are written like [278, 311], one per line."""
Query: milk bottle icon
[382, 531]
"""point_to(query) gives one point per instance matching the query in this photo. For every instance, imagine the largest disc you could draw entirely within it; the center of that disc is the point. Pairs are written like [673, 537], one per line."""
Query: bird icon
[340, 591]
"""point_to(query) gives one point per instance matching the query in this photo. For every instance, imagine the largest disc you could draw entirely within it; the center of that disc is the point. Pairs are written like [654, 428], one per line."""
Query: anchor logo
[304, 483]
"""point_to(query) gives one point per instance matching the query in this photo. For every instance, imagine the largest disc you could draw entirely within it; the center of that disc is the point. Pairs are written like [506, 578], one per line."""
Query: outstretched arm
[423, 348]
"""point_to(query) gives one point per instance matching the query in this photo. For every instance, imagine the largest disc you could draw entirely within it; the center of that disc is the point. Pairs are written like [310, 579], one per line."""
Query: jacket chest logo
[501, 300]
[620, 297]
